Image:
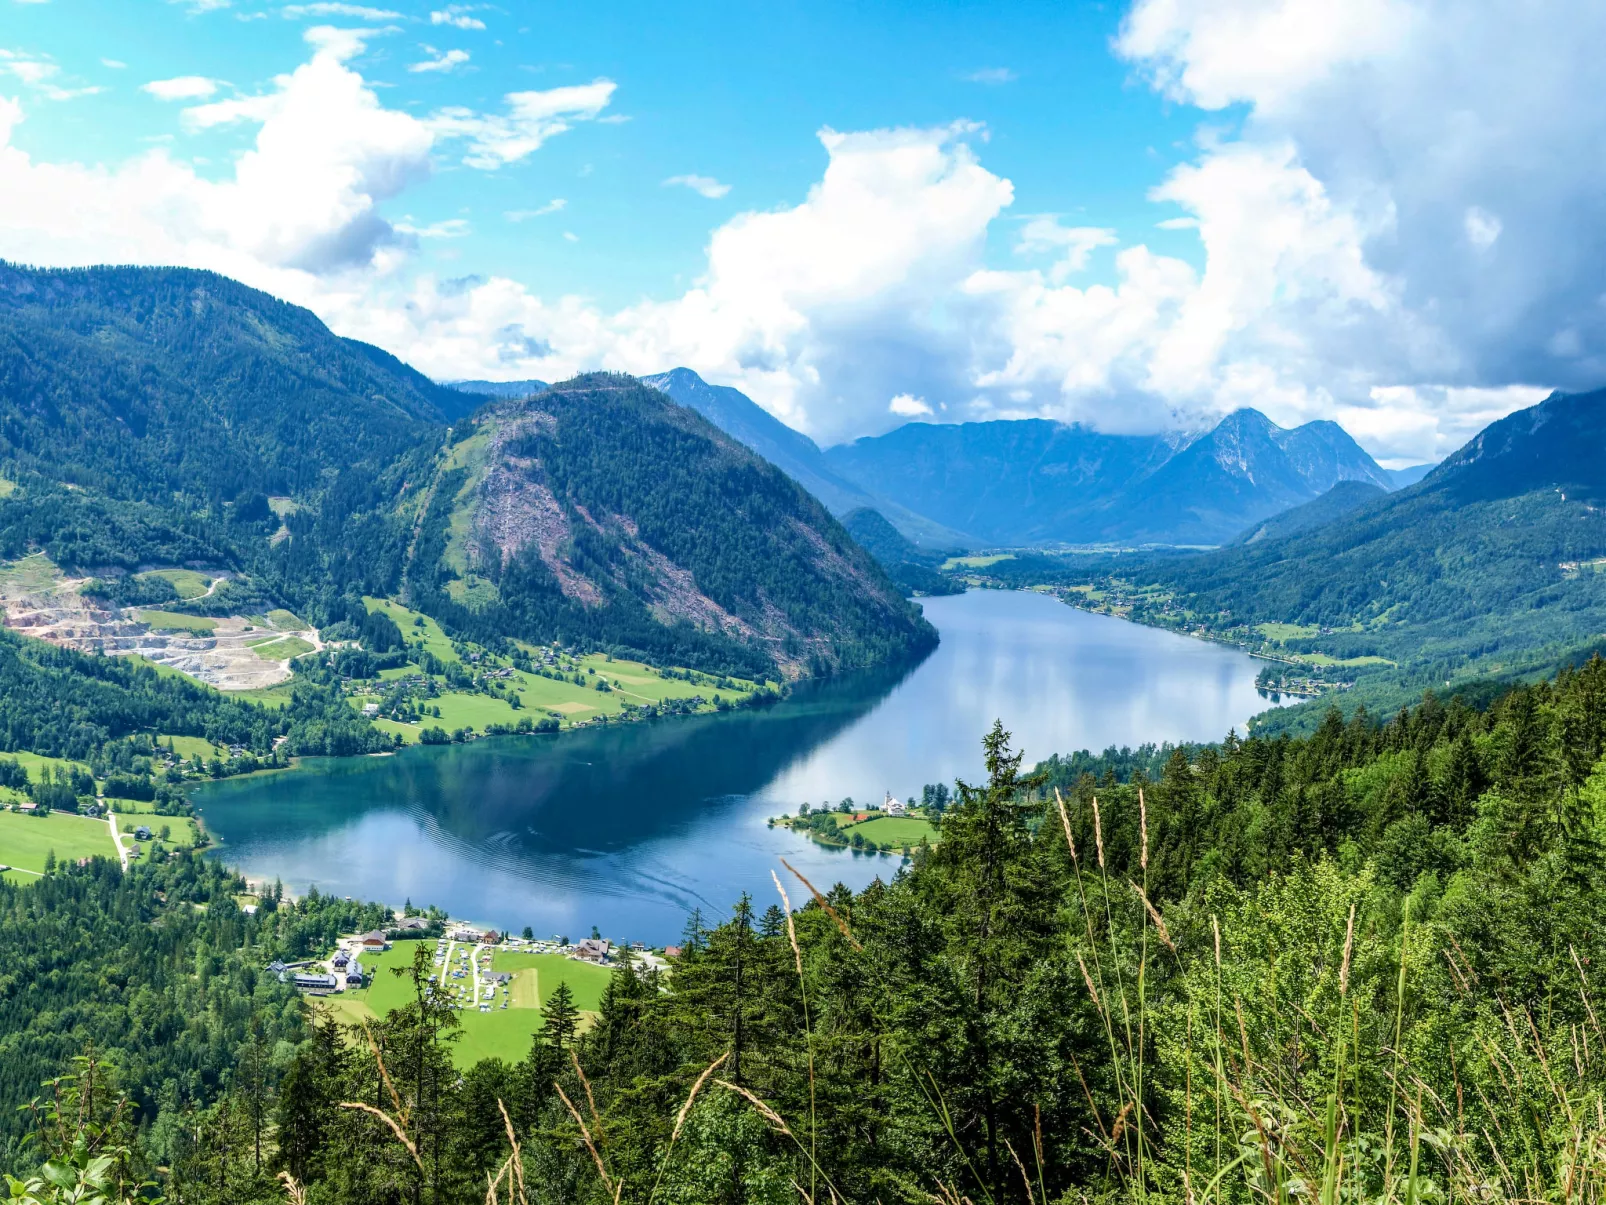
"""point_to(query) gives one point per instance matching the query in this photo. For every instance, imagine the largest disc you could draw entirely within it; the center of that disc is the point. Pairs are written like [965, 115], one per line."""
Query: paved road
[117, 839]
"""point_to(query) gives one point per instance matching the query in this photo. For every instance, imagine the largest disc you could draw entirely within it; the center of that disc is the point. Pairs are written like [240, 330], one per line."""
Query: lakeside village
[464, 958]
[894, 827]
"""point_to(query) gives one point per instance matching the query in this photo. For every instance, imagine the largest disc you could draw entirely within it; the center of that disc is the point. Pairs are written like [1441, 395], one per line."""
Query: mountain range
[1493, 562]
[1032, 482]
[797, 455]
[1035, 482]
[157, 417]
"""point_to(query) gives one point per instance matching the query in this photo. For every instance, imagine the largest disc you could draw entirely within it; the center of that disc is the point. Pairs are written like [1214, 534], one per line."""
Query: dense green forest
[679, 544]
[914, 569]
[168, 417]
[1355, 966]
[65, 704]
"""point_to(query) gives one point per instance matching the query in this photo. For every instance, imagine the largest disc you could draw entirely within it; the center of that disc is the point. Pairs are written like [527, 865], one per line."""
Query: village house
[375, 941]
[354, 973]
[315, 984]
[593, 949]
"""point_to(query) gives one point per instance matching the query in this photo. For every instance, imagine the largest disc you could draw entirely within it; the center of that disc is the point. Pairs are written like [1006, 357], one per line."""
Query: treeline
[1365, 958]
[62, 703]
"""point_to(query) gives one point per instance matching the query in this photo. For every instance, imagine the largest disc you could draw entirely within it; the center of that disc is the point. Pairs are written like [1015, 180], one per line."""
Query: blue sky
[1138, 215]
[730, 92]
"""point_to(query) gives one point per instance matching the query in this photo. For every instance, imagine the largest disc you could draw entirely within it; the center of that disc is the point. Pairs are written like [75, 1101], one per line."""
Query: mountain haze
[1038, 482]
[736, 414]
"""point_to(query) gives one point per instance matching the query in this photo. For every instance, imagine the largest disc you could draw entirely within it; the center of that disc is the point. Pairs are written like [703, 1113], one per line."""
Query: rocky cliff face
[600, 510]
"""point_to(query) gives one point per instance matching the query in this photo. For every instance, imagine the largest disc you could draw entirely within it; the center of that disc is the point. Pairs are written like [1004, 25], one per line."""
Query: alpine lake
[628, 827]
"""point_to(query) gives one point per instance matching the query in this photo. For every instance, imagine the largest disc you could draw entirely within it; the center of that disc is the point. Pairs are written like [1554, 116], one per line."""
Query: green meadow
[503, 1034]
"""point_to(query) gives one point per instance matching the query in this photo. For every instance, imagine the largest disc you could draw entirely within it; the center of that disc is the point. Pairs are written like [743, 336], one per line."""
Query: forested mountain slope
[150, 382]
[1343, 498]
[914, 569]
[1249, 955]
[164, 417]
[600, 510]
[1037, 482]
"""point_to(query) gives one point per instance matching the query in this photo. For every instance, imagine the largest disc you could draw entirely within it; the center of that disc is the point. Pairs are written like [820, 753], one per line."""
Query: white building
[894, 807]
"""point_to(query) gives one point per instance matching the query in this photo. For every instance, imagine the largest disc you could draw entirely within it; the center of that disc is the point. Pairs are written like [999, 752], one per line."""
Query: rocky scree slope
[601, 511]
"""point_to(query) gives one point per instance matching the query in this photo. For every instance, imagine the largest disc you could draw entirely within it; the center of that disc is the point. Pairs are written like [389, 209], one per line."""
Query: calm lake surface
[630, 826]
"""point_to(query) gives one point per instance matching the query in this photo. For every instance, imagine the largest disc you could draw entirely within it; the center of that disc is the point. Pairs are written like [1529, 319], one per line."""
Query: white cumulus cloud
[183, 87]
[439, 60]
[705, 186]
[531, 119]
[457, 16]
[905, 406]
[335, 8]
[520, 215]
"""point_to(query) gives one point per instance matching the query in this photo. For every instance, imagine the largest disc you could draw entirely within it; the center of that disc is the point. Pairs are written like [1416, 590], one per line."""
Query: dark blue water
[628, 827]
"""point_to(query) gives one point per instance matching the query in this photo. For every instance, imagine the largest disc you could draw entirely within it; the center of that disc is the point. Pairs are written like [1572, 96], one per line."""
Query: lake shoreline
[630, 827]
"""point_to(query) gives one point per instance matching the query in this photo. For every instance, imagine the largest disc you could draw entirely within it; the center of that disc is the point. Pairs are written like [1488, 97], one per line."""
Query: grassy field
[168, 621]
[26, 840]
[976, 562]
[190, 583]
[192, 746]
[285, 621]
[280, 650]
[897, 830]
[34, 574]
[36, 764]
[1324, 659]
[269, 696]
[1286, 631]
[435, 640]
[497, 1034]
[131, 813]
[633, 683]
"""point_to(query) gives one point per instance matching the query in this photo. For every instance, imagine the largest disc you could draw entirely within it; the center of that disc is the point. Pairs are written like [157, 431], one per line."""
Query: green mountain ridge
[600, 510]
[1491, 565]
[153, 416]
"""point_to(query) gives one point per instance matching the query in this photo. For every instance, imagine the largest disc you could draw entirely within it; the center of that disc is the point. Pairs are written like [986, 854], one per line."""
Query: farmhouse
[375, 941]
[593, 949]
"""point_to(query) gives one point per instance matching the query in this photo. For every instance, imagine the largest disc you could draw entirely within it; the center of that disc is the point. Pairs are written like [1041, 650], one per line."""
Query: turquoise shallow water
[628, 827]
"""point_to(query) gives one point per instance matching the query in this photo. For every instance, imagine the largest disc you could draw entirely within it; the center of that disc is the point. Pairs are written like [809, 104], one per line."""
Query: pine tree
[561, 1019]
